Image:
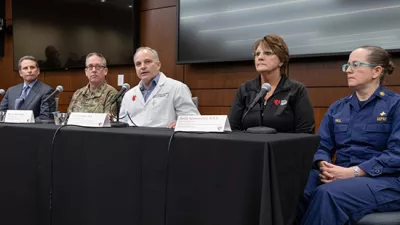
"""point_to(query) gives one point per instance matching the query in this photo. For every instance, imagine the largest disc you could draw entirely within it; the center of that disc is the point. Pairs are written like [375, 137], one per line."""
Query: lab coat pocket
[159, 106]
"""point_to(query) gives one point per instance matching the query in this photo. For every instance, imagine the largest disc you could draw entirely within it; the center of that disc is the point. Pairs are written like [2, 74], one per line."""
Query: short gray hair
[27, 57]
[149, 49]
[103, 59]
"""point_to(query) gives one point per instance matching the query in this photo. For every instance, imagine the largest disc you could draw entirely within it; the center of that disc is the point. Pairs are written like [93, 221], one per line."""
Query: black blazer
[34, 101]
[288, 110]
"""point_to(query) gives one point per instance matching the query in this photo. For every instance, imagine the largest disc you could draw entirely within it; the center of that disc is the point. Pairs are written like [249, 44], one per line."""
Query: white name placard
[206, 123]
[19, 116]
[89, 119]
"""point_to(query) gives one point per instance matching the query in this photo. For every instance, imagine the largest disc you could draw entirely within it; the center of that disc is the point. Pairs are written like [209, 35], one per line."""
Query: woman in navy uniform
[363, 129]
[286, 107]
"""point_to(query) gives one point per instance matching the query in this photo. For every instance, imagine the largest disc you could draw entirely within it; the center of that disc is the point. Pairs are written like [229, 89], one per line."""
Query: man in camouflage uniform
[95, 97]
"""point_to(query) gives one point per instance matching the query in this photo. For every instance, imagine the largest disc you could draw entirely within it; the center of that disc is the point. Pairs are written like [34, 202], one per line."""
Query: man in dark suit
[30, 94]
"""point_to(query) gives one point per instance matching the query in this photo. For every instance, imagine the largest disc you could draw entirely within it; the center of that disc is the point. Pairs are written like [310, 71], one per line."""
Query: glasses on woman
[355, 65]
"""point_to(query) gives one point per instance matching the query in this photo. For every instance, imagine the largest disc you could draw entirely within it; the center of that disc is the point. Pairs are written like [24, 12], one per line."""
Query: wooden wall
[214, 84]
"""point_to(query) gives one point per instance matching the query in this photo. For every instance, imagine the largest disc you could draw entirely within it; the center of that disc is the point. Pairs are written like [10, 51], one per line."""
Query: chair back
[196, 101]
[56, 103]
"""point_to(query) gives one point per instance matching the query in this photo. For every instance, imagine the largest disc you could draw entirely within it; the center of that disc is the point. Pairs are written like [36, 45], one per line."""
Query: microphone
[264, 89]
[125, 87]
[59, 88]
[2, 92]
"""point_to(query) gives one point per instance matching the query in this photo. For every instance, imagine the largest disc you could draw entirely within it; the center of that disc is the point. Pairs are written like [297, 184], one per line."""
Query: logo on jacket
[338, 120]
[277, 101]
[134, 98]
[382, 117]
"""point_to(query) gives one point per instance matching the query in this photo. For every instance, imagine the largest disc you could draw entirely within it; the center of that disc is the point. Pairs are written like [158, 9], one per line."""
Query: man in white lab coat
[157, 100]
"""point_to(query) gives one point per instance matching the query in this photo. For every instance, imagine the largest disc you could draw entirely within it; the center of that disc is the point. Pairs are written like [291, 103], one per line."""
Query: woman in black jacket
[286, 107]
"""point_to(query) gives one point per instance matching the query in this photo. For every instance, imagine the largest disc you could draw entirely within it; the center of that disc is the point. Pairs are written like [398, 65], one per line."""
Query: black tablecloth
[119, 176]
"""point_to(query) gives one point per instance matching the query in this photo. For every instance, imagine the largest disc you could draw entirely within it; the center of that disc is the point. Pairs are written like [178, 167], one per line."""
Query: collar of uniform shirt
[97, 92]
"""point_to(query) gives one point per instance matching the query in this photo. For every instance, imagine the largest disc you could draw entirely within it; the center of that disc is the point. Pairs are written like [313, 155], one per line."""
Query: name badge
[89, 119]
[19, 116]
[161, 95]
[209, 123]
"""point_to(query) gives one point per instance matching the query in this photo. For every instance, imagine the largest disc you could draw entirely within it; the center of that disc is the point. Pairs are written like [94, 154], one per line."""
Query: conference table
[70, 175]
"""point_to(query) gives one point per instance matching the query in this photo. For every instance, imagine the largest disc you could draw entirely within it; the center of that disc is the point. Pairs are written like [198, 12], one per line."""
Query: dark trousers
[347, 201]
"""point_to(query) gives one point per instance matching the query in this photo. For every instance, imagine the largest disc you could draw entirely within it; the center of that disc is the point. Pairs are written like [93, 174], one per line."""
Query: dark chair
[381, 218]
[56, 102]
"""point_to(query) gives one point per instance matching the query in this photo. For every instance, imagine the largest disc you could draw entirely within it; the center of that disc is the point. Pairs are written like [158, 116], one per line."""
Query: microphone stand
[261, 103]
[261, 129]
[117, 123]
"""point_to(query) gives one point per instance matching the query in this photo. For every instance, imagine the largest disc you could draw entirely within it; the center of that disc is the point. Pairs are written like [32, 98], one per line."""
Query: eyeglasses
[267, 53]
[355, 65]
[97, 67]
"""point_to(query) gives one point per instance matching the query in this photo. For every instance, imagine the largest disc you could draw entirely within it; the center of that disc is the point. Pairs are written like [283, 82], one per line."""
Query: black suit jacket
[34, 101]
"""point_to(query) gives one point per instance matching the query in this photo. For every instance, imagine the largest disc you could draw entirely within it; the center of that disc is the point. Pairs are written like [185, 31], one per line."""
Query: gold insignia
[382, 93]
[382, 113]
[382, 118]
[338, 120]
